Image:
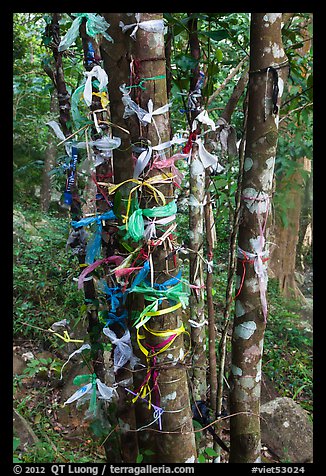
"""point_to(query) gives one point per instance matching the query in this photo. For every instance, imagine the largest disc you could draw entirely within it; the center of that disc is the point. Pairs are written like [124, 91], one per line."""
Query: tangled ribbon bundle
[136, 229]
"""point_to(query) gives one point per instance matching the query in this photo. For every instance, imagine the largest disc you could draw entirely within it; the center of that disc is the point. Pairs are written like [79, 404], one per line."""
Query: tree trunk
[179, 445]
[116, 60]
[266, 51]
[196, 233]
[49, 161]
[283, 263]
[305, 235]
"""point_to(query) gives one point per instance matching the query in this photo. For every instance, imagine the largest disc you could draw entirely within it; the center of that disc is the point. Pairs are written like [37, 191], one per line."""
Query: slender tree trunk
[232, 262]
[196, 233]
[49, 161]
[266, 51]
[209, 225]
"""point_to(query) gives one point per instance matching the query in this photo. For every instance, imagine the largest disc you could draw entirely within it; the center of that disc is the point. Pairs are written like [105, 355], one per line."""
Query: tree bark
[116, 59]
[196, 233]
[49, 161]
[266, 51]
[180, 446]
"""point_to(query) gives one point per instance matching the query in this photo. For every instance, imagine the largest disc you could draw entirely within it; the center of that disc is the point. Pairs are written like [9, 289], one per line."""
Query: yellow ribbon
[66, 338]
[167, 310]
[145, 183]
[146, 390]
[104, 98]
[167, 333]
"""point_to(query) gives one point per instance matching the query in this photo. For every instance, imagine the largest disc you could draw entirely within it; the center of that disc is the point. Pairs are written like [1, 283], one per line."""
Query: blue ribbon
[93, 248]
[108, 215]
[114, 319]
[113, 294]
[140, 276]
[169, 282]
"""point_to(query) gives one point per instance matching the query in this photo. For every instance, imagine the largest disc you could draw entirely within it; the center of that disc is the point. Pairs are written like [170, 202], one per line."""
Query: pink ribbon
[110, 259]
[159, 163]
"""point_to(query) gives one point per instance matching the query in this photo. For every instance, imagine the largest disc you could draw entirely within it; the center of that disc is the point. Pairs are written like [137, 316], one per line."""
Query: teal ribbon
[95, 24]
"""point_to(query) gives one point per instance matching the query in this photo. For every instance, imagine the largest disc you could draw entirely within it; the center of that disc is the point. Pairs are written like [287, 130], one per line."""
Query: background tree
[268, 69]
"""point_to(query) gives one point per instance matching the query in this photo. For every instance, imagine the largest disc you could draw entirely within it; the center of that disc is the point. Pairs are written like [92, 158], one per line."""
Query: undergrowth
[45, 292]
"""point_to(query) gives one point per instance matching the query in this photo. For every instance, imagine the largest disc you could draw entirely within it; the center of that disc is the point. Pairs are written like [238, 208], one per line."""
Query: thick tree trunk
[116, 61]
[266, 51]
[172, 380]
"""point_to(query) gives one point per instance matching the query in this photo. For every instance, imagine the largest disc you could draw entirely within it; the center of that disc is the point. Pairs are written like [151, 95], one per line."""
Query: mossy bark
[248, 331]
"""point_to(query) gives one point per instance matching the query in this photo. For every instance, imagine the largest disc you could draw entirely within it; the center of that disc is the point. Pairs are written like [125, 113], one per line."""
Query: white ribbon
[204, 119]
[150, 231]
[57, 324]
[60, 135]
[104, 143]
[78, 351]
[142, 161]
[161, 110]
[98, 73]
[259, 267]
[197, 324]
[123, 350]
[130, 106]
[153, 26]
[208, 159]
[210, 265]
[57, 130]
[105, 392]
[170, 143]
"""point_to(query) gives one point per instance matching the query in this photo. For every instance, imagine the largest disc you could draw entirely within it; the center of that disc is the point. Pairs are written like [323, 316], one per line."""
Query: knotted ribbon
[115, 259]
[136, 226]
[93, 247]
[144, 389]
[98, 73]
[123, 349]
[208, 159]
[157, 414]
[153, 26]
[95, 24]
[89, 391]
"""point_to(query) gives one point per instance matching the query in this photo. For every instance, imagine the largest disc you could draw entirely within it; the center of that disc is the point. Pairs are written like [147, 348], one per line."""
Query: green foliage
[16, 443]
[287, 359]
[207, 455]
[42, 365]
[44, 290]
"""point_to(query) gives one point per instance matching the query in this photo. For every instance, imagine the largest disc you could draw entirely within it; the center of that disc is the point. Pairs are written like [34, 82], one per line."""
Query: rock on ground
[287, 430]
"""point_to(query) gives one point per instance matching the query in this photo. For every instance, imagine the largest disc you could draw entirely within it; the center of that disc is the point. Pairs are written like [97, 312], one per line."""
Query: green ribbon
[95, 25]
[136, 227]
[140, 84]
[155, 296]
[84, 379]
